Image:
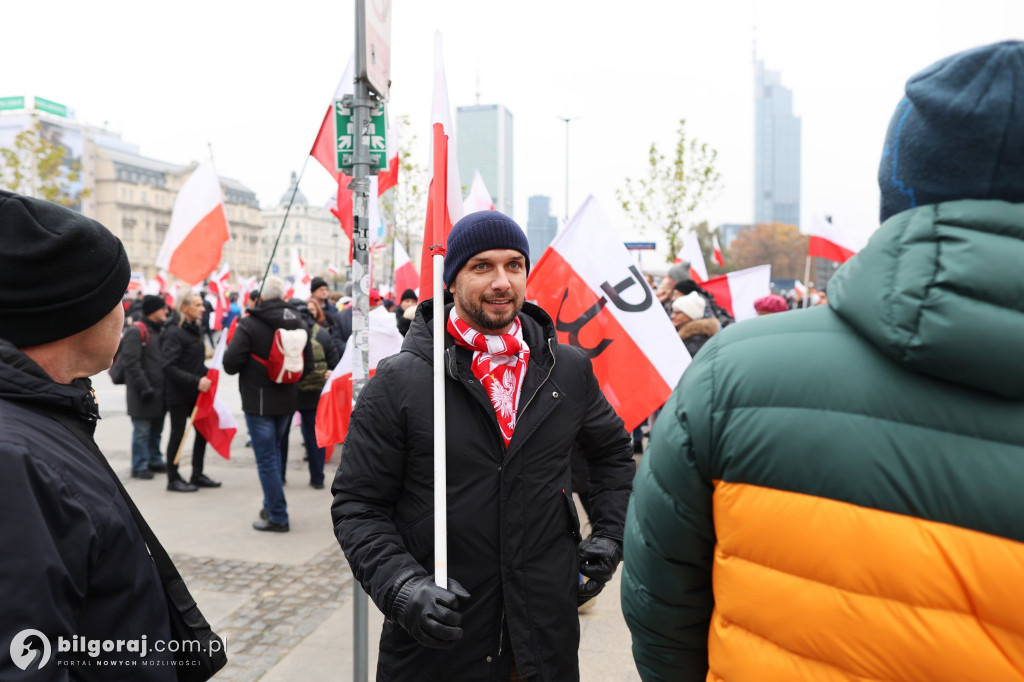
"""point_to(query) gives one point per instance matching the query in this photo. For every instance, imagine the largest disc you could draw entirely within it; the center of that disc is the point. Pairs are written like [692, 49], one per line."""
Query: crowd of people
[830, 493]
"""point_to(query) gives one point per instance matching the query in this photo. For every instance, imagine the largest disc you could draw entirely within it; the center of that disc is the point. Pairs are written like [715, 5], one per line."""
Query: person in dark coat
[690, 320]
[268, 406]
[143, 361]
[514, 552]
[325, 357]
[402, 315]
[185, 372]
[74, 561]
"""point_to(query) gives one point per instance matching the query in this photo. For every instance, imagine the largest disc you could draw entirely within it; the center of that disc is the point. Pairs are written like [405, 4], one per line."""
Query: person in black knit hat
[74, 560]
[516, 401]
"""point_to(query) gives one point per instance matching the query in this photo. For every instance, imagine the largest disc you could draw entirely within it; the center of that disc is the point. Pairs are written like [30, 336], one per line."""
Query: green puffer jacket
[838, 494]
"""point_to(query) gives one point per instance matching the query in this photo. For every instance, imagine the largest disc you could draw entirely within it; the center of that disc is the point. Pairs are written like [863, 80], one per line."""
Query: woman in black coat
[184, 355]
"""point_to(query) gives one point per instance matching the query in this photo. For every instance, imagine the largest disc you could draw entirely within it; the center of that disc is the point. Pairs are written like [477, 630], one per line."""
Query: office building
[483, 135]
[541, 226]
[776, 150]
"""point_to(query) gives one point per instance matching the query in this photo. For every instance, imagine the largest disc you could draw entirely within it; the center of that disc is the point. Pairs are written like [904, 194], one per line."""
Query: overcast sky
[254, 79]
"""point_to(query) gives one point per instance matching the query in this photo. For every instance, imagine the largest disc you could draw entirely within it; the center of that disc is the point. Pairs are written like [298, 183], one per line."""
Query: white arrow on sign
[344, 143]
[377, 142]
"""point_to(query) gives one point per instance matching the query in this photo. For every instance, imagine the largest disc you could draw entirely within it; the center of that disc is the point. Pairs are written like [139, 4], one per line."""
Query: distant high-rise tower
[483, 135]
[541, 226]
[776, 150]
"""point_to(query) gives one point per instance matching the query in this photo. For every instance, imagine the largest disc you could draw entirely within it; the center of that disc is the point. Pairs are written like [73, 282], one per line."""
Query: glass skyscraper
[776, 150]
[483, 134]
[541, 226]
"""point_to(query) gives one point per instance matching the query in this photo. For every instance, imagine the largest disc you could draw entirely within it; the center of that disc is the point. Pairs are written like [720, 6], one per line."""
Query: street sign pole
[360, 187]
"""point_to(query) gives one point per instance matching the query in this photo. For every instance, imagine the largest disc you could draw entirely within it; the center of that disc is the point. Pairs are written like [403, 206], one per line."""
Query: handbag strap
[165, 567]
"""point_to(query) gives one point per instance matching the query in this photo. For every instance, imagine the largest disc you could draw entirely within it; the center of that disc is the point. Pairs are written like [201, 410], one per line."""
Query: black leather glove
[430, 613]
[588, 589]
[599, 557]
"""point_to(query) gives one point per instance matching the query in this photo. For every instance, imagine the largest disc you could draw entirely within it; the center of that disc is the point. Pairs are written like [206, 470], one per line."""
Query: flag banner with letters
[600, 302]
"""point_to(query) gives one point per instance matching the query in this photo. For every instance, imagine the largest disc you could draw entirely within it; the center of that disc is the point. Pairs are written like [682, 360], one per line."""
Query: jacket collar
[23, 381]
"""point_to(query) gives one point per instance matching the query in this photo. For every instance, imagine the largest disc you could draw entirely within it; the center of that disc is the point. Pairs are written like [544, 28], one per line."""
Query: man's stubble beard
[474, 309]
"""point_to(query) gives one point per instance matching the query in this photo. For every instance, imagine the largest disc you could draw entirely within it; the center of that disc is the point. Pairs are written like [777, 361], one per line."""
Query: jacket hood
[939, 290]
[277, 314]
[420, 338]
[23, 381]
[706, 326]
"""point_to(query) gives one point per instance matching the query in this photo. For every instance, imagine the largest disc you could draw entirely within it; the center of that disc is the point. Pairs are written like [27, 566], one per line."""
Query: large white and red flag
[695, 257]
[737, 291]
[198, 229]
[213, 418]
[406, 276]
[335, 406]
[444, 196]
[479, 198]
[831, 242]
[600, 302]
[717, 251]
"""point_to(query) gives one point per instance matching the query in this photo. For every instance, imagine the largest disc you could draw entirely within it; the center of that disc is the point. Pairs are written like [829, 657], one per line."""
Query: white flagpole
[440, 441]
[807, 283]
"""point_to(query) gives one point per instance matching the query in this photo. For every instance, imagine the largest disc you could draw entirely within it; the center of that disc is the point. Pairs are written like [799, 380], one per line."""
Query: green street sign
[51, 107]
[346, 139]
[9, 103]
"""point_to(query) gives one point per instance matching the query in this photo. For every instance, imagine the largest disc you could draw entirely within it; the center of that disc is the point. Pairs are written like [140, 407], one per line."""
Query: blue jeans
[266, 434]
[313, 453]
[146, 434]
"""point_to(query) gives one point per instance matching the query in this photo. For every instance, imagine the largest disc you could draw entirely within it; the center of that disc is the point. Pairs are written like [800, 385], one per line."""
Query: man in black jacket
[516, 401]
[143, 364]
[72, 561]
[268, 406]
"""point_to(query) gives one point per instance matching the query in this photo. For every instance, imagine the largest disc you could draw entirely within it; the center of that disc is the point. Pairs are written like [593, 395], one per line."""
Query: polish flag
[300, 287]
[832, 243]
[161, 280]
[406, 276]
[737, 291]
[444, 196]
[718, 251]
[335, 406]
[691, 252]
[588, 283]
[198, 229]
[213, 418]
[478, 199]
[246, 287]
[386, 179]
[219, 287]
[333, 269]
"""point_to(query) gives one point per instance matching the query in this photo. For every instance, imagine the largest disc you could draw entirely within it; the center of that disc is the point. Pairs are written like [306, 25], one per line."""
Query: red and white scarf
[499, 362]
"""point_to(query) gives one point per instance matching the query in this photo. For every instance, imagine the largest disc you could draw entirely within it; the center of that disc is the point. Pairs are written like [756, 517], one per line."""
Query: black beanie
[60, 272]
[958, 133]
[409, 293]
[151, 304]
[482, 231]
[317, 283]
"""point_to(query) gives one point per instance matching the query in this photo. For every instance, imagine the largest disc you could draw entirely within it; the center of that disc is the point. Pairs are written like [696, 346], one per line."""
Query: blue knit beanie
[482, 231]
[958, 133]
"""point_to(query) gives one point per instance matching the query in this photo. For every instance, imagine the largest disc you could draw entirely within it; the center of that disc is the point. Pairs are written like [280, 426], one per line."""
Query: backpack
[315, 380]
[116, 370]
[285, 362]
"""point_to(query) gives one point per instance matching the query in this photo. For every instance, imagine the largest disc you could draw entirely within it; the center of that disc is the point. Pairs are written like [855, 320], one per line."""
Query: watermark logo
[29, 646]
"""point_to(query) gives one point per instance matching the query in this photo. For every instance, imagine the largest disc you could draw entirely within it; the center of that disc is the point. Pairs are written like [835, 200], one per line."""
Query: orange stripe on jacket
[812, 588]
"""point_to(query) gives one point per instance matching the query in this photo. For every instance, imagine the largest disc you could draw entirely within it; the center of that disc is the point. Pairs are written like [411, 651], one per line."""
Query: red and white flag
[335, 406]
[300, 288]
[737, 291]
[478, 199]
[691, 253]
[588, 283]
[832, 243]
[386, 179]
[717, 251]
[213, 418]
[406, 276]
[198, 230]
[219, 287]
[444, 196]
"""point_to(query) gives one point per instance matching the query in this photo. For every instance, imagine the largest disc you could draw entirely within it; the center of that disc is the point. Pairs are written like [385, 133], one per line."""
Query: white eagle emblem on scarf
[503, 397]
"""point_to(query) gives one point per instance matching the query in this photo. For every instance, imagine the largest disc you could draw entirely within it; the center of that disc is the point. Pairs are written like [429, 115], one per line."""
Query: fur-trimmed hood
[707, 326]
